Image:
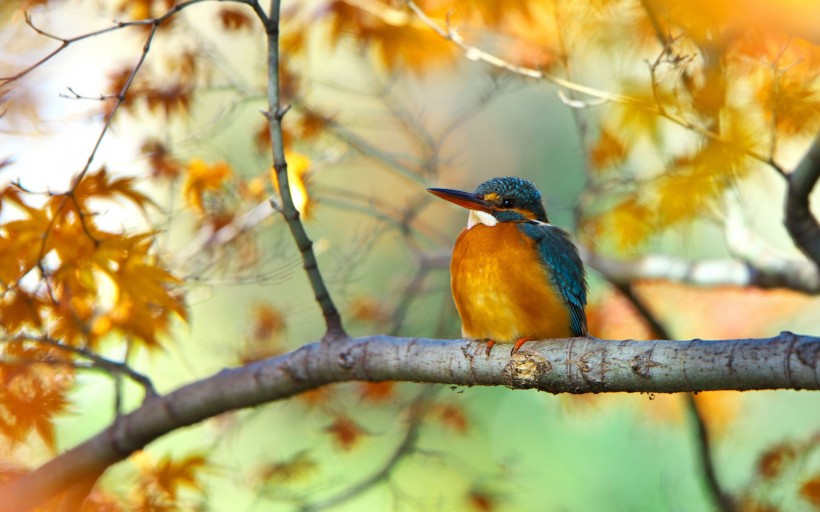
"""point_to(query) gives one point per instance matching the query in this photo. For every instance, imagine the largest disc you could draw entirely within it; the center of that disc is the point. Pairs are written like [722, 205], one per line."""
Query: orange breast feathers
[502, 290]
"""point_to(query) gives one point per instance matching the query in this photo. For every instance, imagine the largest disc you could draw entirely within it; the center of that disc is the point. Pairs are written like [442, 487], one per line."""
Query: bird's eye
[507, 203]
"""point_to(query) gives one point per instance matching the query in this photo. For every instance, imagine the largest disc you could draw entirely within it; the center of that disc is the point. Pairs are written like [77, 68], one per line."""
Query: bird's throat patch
[476, 217]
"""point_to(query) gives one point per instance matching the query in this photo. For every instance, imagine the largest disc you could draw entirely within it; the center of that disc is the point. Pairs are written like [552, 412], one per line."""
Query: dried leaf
[233, 19]
[169, 475]
[607, 151]
[377, 392]
[810, 490]
[345, 432]
[298, 467]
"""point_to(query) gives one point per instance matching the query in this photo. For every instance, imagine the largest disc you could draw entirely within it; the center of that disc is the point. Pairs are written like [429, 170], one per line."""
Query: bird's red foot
[518, 343]
[490, 345]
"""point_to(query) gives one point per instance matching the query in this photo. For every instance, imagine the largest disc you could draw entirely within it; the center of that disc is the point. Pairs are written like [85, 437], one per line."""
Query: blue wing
[564, 267]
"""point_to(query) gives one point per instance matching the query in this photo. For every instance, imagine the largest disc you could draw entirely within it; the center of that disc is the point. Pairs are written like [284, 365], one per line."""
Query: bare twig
[276, 111]
[405, 447]
[721, 498]
[98, 361]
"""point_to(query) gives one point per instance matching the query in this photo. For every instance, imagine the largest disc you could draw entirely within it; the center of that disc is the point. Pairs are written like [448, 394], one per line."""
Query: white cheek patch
[476, 217]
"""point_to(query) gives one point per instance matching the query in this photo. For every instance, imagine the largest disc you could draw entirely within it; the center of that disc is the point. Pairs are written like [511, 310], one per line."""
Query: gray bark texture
[573, 365]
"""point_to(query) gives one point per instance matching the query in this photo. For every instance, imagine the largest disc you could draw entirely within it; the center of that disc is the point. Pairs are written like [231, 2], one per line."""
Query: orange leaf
[19, 309]
[346, 432]
[174, 98]
[810, 490]
[452, 416]
[203, 177]
[377, 392]
[233, 19]
[161, 163]
[607, 151]
[482, 501]
[775, 459]
[267, 322]
[101, 185]
[169, 475]
[316, 397]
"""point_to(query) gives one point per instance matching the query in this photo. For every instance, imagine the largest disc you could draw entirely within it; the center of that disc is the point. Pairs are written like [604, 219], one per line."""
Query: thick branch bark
[574, 365]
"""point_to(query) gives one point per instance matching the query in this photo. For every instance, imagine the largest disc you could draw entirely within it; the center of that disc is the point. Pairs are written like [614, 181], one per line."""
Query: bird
[514, 276]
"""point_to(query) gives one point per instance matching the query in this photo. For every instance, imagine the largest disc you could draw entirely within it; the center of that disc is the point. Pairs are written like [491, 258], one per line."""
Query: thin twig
[98, 361]
[276, 111]
[721, 499]
[417, 409]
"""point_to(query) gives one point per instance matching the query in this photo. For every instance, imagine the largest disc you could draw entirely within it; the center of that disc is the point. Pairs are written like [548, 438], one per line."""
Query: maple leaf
[369, 310]
[19, 309]
[267, 321]
[377, 392]
[397, 38]
[100, 501]
[101, 184]
[173, 98]
[482, 501]
[452, 416]
[311, 124]
[316, 397]
[233, 19]
[169, 474]
[31, 395]
[160, 161]
[810, 490]
[637, 118]
[21, 240]
[345, 432]
[298, 467]
[203, 177]
[607, 151]
[630, 223]
[775, 459]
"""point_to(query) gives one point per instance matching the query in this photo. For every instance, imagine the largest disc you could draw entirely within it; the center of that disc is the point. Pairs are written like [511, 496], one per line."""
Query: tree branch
[573, 365]
[775, 273]
[722, 500]
[801, 224]
[276, 112]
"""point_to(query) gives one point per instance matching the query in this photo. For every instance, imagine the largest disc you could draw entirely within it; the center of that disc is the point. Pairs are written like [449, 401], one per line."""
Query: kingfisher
[515, 277]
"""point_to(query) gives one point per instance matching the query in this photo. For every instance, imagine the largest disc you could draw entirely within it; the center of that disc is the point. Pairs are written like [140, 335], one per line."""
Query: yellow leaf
[607, 151]
[298, 174]
[203, 177]
[631, 222]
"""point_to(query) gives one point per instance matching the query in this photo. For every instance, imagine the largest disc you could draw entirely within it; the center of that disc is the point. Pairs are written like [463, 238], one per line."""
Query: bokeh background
[375, 120]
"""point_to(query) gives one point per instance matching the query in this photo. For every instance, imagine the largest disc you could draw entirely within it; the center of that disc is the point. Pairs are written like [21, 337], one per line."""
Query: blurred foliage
[172, 261]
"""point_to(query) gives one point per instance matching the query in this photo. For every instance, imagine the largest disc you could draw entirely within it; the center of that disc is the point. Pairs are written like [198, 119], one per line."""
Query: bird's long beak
[468, 200]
